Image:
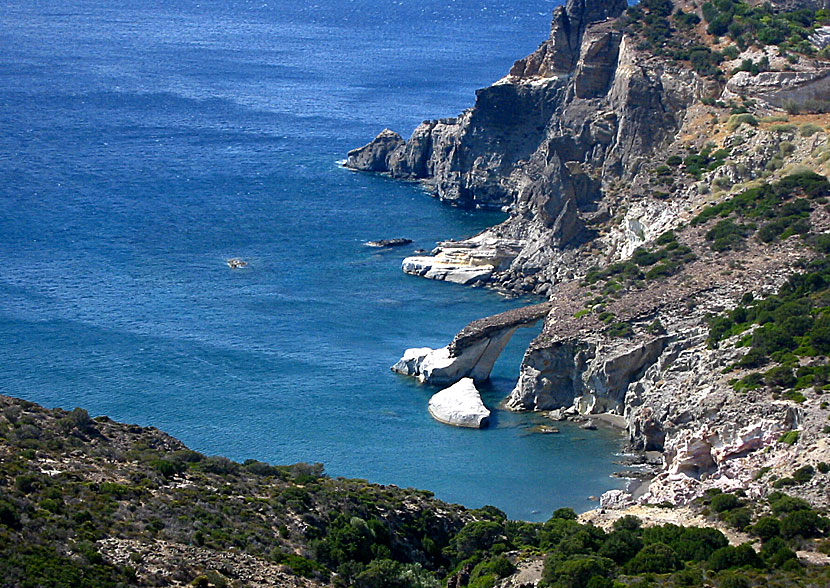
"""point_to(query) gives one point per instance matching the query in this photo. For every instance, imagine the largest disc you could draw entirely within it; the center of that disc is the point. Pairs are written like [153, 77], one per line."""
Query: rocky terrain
[664, 167]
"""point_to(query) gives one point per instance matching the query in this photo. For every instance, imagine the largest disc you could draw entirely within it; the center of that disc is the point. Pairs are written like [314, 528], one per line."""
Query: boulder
[397, 242]
[616, 500]
[460, 405]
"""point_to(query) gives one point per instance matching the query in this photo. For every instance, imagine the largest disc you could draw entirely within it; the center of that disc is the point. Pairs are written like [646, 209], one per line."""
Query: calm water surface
[142, 143]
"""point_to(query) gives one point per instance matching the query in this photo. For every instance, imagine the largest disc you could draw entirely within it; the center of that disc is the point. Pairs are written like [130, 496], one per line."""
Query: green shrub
[804, 523]
[8, 515]
[620, 329]
[804, 474]
[776, 552]
[219, 465]
[766, 528]
[789, 438]
[726, 234]
[657, 558]
[568, 514]
[166, 468]
[781, 376]
[496, 568]
[621, 546]
[737, 120]
[735, 580]
[738, 518]
[783, 483]
[476, 536]
[575, 572]
[725, 501]
[781, 503]
[735, 557]
[809, 129]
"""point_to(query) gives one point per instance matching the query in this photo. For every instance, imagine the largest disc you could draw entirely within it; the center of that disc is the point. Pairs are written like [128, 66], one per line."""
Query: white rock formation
[616, 500]
[460, 405]
[821, 37]
[439, 366]
[464, 262]
[434, 269]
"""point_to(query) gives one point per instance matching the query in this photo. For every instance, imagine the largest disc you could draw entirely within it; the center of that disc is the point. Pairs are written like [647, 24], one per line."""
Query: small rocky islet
[664, 167]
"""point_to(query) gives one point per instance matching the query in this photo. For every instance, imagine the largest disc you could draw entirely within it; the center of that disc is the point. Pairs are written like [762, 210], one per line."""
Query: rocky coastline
[628, 162]
[665, 170]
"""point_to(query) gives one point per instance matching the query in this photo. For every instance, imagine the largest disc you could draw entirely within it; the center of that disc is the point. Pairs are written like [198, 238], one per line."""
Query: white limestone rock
[460, 405]
[433, 269]
[410, 363]
[821, 37]
[616, 500]
[434, 366]
[441, 367]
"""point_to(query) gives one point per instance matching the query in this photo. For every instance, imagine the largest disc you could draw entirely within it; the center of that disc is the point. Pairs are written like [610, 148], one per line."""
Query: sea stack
[460, 405]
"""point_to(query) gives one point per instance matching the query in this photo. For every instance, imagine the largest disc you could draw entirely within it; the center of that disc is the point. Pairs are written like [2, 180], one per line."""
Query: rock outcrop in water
[606, 146]
[473, 351]
[460, 405]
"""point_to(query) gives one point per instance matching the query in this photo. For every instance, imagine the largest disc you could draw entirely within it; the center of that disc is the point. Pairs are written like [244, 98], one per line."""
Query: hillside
[91, 502]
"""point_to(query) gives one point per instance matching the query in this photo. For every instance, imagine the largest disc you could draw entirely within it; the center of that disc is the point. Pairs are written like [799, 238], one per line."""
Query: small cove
[150, 142]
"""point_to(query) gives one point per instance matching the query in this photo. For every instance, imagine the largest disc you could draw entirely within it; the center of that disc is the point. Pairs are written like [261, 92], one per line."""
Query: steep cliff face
[582, 110]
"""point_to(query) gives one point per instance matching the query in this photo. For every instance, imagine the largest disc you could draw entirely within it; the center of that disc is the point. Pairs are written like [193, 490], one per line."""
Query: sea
[143, 143]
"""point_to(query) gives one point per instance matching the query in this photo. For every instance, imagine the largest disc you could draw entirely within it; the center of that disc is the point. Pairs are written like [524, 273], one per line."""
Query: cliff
[664, 167]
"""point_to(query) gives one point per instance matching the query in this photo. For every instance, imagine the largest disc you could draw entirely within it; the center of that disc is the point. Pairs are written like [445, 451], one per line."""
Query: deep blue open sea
[144, 142]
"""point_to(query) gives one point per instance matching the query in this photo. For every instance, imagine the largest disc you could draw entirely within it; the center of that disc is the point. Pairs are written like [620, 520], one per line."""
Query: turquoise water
[144, 143]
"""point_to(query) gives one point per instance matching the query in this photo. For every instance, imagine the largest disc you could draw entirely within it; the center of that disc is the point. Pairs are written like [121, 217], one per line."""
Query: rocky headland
[665, 169]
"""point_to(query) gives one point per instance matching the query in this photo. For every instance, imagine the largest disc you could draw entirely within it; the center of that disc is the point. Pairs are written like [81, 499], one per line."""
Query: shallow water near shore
[146, 143]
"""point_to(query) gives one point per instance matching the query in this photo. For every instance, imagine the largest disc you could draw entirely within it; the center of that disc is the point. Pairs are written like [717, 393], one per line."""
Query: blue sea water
[144, 142]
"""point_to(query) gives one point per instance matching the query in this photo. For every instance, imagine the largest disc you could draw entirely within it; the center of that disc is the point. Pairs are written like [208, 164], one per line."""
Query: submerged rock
[460, 405]
[236, 263]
